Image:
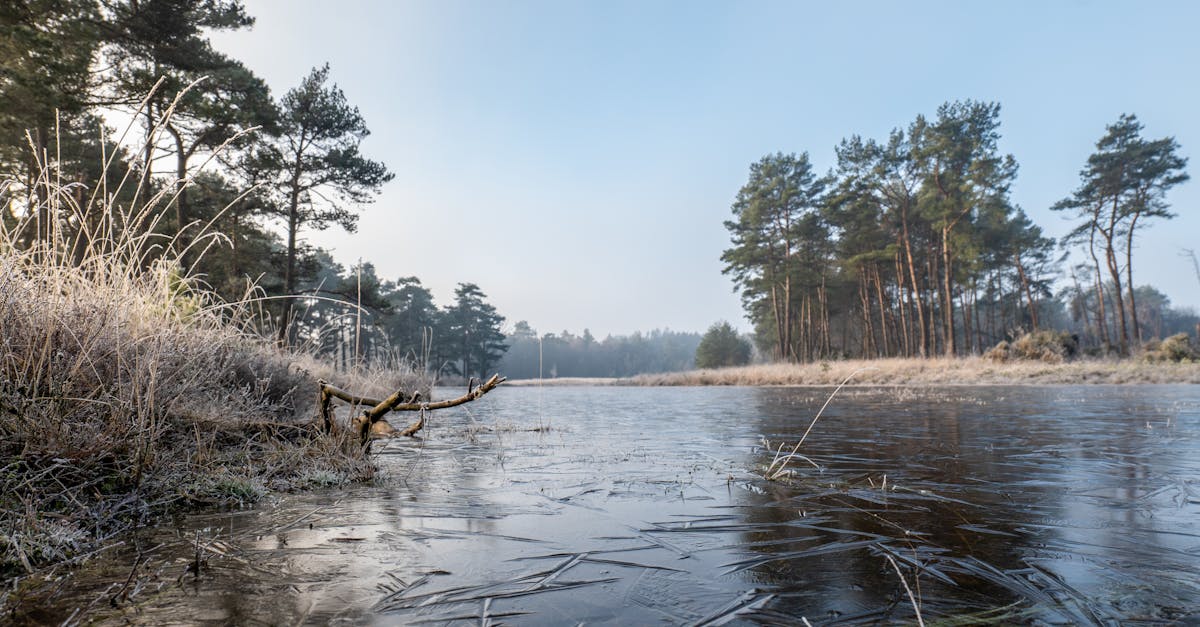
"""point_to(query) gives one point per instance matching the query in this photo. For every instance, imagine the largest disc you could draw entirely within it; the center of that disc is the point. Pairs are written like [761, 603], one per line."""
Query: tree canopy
[721, 347]
[912, 247]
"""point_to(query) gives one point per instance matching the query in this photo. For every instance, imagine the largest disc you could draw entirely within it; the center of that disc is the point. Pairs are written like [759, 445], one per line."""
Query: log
[370, 421]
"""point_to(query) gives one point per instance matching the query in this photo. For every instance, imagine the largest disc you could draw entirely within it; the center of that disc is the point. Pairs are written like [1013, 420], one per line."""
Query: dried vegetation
[1051, 347]
[1175, 349]
[127, 389]
[961, 371]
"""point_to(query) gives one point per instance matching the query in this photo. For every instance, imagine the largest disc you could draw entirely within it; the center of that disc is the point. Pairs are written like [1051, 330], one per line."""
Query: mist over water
[642, 505]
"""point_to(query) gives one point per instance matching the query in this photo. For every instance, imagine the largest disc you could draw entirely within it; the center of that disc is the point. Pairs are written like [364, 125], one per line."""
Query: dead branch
[370, 421]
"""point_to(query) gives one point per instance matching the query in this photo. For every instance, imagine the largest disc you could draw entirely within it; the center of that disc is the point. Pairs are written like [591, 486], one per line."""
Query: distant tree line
[552, 355]
[222, 155]
[912, 246]
[352, 316]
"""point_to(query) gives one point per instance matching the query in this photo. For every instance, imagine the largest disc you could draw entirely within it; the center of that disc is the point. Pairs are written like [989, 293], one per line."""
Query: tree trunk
[923, 344]
[1110, 256]
[289, 273]
[780, 345]
[1100, 304]
[1115, 272]
[826, 342]
[1082, 298]
[1137, 329]
[980, 341]
[181, 208]
[868, 337]
[948, 289]
[788, 316]
[882, 314]
[933, 302]
[966, 316]
[1028, 292]
[903, 297]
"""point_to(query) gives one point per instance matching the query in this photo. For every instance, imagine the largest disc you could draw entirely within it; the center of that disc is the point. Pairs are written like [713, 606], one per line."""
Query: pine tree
[317, 168]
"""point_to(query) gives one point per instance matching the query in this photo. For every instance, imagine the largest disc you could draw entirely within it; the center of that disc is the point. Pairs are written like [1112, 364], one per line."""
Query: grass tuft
[1051, 347]
[1175, 349]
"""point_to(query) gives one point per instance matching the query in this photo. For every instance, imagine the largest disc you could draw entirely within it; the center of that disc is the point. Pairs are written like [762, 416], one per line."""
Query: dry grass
[563, 382]
[127, 389]
[779, 465]
[1177, 348]
[1051, 347]
[962, 371]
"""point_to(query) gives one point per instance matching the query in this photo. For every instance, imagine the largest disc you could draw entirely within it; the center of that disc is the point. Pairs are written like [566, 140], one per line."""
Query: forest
[912, 247]
[242, 175]
[564, 354]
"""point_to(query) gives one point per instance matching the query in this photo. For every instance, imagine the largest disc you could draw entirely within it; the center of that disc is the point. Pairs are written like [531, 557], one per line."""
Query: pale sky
[577, 159]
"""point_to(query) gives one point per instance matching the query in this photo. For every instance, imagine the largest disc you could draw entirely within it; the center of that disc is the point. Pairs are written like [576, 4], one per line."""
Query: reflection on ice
[633, 506]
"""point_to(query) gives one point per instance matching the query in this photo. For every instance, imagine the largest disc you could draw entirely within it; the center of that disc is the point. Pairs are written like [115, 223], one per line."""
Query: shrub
[1051, 347]
[1000, 352]
[1177, 348]
[721, 347]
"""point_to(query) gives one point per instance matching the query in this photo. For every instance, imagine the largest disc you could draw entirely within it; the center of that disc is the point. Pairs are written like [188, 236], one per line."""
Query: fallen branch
[370, 421]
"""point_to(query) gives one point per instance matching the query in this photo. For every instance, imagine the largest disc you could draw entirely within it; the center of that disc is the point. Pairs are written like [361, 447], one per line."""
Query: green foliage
[471, 330]
[414, 320]
[881, 259]
[47, 48]
[1123, 185]
[315, 168]
[721, 346]
[780, 240]
[913, 246]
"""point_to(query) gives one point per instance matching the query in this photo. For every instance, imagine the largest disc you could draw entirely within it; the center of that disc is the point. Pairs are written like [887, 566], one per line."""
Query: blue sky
[577, 159]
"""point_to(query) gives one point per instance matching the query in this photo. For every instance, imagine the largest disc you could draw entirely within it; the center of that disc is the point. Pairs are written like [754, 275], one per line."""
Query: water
[552, 506]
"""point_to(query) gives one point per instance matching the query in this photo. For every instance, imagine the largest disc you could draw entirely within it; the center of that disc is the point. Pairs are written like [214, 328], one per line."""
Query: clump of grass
[239, 489]
[321, 478]
[128, 389]
[1177, 348]
[1051, 347]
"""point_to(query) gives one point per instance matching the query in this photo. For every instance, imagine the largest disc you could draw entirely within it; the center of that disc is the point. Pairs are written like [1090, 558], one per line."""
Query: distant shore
[567, 381]
[900, 371]
[962, 371]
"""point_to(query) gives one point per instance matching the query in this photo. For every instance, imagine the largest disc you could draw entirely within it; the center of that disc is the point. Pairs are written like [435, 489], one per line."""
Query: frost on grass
[127, 388]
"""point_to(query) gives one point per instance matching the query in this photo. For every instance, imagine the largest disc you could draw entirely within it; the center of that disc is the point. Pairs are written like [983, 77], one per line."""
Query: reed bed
[937, 371]
[127, 388]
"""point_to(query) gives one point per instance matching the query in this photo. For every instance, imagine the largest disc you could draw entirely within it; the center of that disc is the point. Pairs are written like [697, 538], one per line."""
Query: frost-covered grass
[961, 371]
[127, 388]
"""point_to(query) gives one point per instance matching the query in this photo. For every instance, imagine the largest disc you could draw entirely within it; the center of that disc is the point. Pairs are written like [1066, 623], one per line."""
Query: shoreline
[937, 371]
[963, 371]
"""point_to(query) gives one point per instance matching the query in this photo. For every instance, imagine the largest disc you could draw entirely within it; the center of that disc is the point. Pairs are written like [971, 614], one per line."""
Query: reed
[778, 466]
